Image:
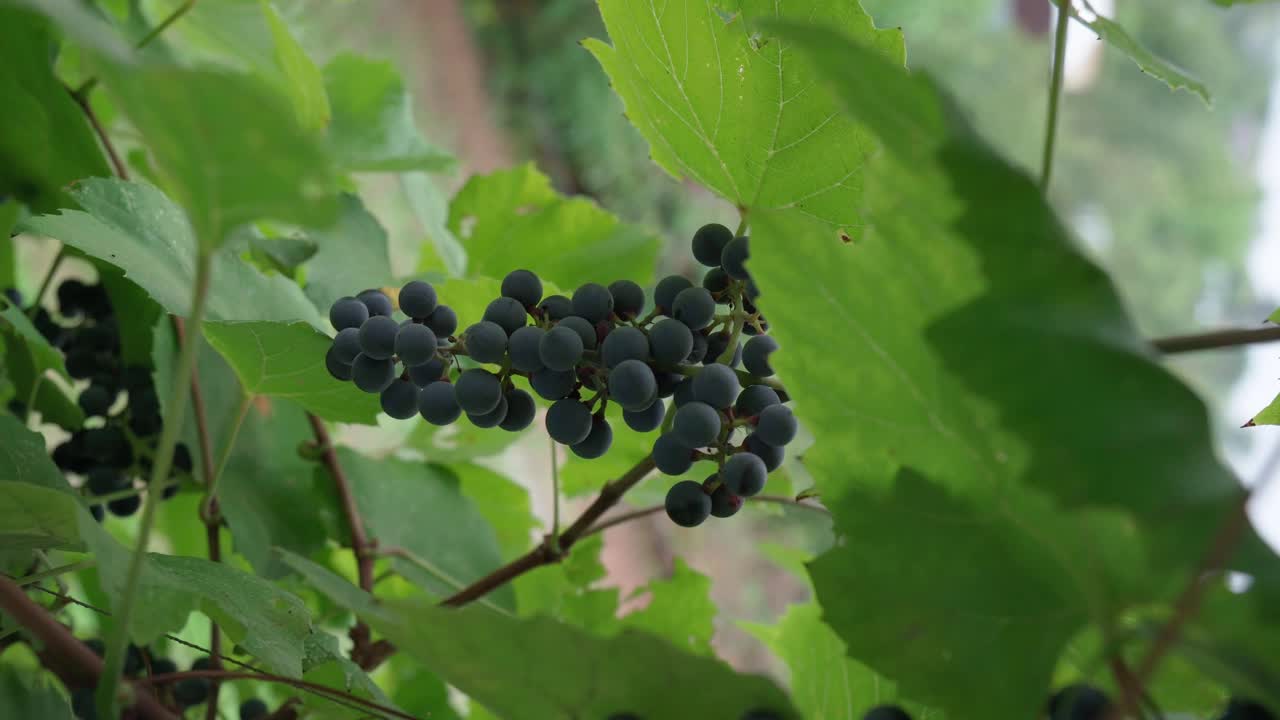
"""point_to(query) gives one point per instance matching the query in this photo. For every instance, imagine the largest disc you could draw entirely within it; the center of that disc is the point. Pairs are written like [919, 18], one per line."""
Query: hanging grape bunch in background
[582, 353]
[112, 453]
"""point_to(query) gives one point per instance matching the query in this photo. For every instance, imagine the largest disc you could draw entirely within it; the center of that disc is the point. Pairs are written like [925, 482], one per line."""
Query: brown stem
[654, 509]
[551, 551]
[1188, 602]
[212, 530]
[328, 692]
[360, 635]
[82, 99]
[1216, 339]
[66, 656]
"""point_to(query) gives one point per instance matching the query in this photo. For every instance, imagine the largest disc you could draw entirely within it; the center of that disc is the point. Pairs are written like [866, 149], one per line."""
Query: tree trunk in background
[454, 83]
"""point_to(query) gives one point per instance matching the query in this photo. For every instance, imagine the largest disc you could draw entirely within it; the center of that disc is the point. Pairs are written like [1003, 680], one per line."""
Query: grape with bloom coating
[694, 307]
[507, 313]
[671, 456]
[664, 294]
[486, 342]
[592, 302]
[372, 375]
[734, 258]
[522, 286]
[716, 385]
[400, 399]
[632, 385]
[417, 299]
[755, 355]
[687, 505]
[438, 404]
[478, 391]
[348, 312]
[553, 384]
[776, 425]
[624, 343]
[346, 345]
[520, 411]
[568, 421]
[645, 420]
[377, 302]
[709, 242]
[744, 474]
[696, 425]
[523, 347]
[556, 307]
[628, 298]
[415, 344]
[753, 399]
[670, 341]
[560, 348]
[493, 418]
[378, 337]
[443, 321]
[597, 442]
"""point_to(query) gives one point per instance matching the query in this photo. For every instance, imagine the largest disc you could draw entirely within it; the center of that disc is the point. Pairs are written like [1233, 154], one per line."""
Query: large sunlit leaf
[45, 142]
[133, 226]
[514, 219]
[35, 517]
[287, 361]
[733, 110]
[486, 655]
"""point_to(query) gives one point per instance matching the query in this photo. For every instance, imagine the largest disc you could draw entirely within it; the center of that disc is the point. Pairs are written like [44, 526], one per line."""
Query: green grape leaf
[431, 209]
[134, 227]
[31, 694]
[81, 23]
[731, 110]
[50, 401]
[419, 509]
[284, 255]
[24, 459]
[34, 517]
[679, 609]
[10, 211]
[248, 36]
[514, 219]
[269, 494]
[266, 621]
[948, 332]
[352, 256]
[324, 664]
[486, 655]
[43, 355]
[287, 361]
[373, 128]
[503, 502]
[45, 142]
[1151, 64]
[824, 682]
[227, 148]
[128, 300]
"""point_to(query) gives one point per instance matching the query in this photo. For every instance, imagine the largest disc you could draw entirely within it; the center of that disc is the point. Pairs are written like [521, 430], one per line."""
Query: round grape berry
[372, 375]
[568, 421]
[716, 385]
[670, 342]
[723, 503]
[776, 425]
[254, 709]
[346, 345]
[709, 242]
[182, 458]
[886, 712]
[377, 302]
[96, 400]
[755, 355]
[632, 385]
[443, 321]
[438, 404]
[347, 312]
[628, 298]
[415, 344]
[486, 342]
[1079, 702]
[593, 302]
[699, 351]
[400, 399]
[378, 337]
[696, 425]
[671, 456]
[664, 295]
[553, 384]
[507, 313]
[560, 348]
[522, 286]
[428, 372]
[717, 343]
[520, 411]
[683, 393]
[493, 418]
[624, 343]
[770, 455]
[586, 331]
[753, 399]
[125, 506]
[694, 307]
[103, 480]
[667, 382]
[556, 307]
[109, 446]
[523, 346]
[337, 369]
[645, 420]
[418, 299]
[734, 258]
[597, 442]
[717, 281]
[744, 474]
[478, 391]
[687, 505]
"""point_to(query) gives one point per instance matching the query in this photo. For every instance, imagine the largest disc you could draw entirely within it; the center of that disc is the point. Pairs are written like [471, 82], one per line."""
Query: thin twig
[630, 515]
[62, 653]
[360, 635]
[88, 85]
[547, 553]
[1055, 93]
[1230, 337]
[167, 678]
[214, 540]
[426, 566]
[48, 279]
[53, 572]
[82, 100]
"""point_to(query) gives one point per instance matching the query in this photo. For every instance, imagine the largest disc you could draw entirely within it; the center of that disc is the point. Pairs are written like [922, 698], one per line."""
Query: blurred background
[1180, 201]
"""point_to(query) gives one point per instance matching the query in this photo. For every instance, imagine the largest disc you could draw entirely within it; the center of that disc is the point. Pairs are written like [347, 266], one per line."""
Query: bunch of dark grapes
[114, 450]
[586, 350]
[141, 662]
